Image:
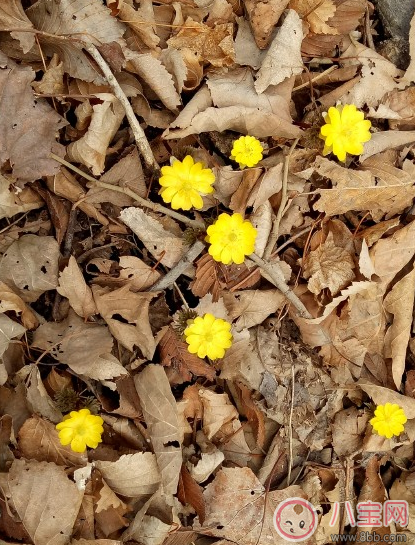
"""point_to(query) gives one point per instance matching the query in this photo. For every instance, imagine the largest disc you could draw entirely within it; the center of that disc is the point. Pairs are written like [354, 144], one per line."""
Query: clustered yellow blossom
[208, 336]
[184, 182]
[80, 429]
[345, 131]
[389, 420]
[231, 238]
[247, 151]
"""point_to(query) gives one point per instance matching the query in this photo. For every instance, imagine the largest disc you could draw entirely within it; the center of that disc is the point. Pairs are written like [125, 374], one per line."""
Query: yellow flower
[208, 336]
[388, 420]
[231, 238]
[247, 151]
[81, 429]
[183, 183]
[345, 131]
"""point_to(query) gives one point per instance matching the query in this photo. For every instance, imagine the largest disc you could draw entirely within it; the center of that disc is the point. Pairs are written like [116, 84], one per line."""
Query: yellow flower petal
[345, 131]
[79, 429]
[388, 420]
[247, 151]
[184, 182]
[208, 336]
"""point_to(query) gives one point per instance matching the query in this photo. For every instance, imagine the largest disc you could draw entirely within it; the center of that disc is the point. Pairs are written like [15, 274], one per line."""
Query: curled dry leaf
[90, 149]
[139, 20]
[73, 286]
[27, 127]
[13, 202]
[381, 141]
[8, 330]
[283, 58]
[317, 14]
[10, 301]
[12, 15]
[85, 348]
[133, 475]
[61, 499]
[217, 411]
[190, 492]
[30, 266]
[163, 244]
[38, 440]
[160, 414]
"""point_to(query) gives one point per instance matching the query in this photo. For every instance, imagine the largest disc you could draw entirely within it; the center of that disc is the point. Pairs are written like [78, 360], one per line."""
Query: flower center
[232, 237]
[209, 337]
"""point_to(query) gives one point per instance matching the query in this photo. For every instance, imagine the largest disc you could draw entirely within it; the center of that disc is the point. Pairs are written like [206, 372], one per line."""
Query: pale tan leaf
[85, 348]
[217, 411]
[10, 301]
[283, 58]
[163, 425]
[399, 302]
[39, 400]
[8, 331]
[237, 106]
[381, 141]
[73, 286]
[390, 255]
[136, 273]
[139, 20]
[317, 14]
[263, 16]
[247, 53]
[61, 499]
[381, 395]
[12, 15]
[155, 74]
[90, 20]
[328, 266]
[38, 440]
[349, 427]
[13, 202]
[160, 242]
[365, 263]
[206, 465]
[133, 330]
[378, 76]
[261, 219]
[133, 475]
[153, 531]
[52, 79]
[91, 148]
[30, 266]
[251, 307]
[410, 72]
[27, 128]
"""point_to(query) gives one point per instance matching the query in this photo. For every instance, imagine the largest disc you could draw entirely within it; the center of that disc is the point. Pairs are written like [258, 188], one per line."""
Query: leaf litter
[98, 279]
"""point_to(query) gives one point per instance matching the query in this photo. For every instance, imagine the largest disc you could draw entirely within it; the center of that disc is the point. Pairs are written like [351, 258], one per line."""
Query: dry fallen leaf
[73, 286]
[27, 127]
[160, 415]
[317, 14]
[263, 16]
[251, 307]
[61, 499]
[217, 411]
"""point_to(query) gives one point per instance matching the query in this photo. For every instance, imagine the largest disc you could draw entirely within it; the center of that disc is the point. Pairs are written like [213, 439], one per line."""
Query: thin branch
[127, 191]
[277, 278]
[277, 220]
[290, 426]
[140, 137]
[316, 78]
[174, 273]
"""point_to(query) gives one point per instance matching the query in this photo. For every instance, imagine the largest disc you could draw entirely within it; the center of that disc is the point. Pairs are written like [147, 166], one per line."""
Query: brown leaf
[329, 266]
[253, 413]
[90, 149]
[73, 286]
[251, 307]
[161, 417]
[317, 14]
[38, 440]
[348, 429]
[283, 58]
[181, 365]
[61, 499]
[14, 202]
[12, 15]
[10, 301]
[126, 314]
[190, 492]
[8, 331]
[85, 348]
[58, 211]
[30, 266]
[28, 127]
[263, 16]
[217, 411]
[133, 475]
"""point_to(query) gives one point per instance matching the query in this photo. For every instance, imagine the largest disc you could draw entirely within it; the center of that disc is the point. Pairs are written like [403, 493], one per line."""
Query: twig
[174, 273]
[316, 78]
[271, 458]
[277, 278]
[127, 191]
[140, 137]
[290, 426]
[277, 220]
